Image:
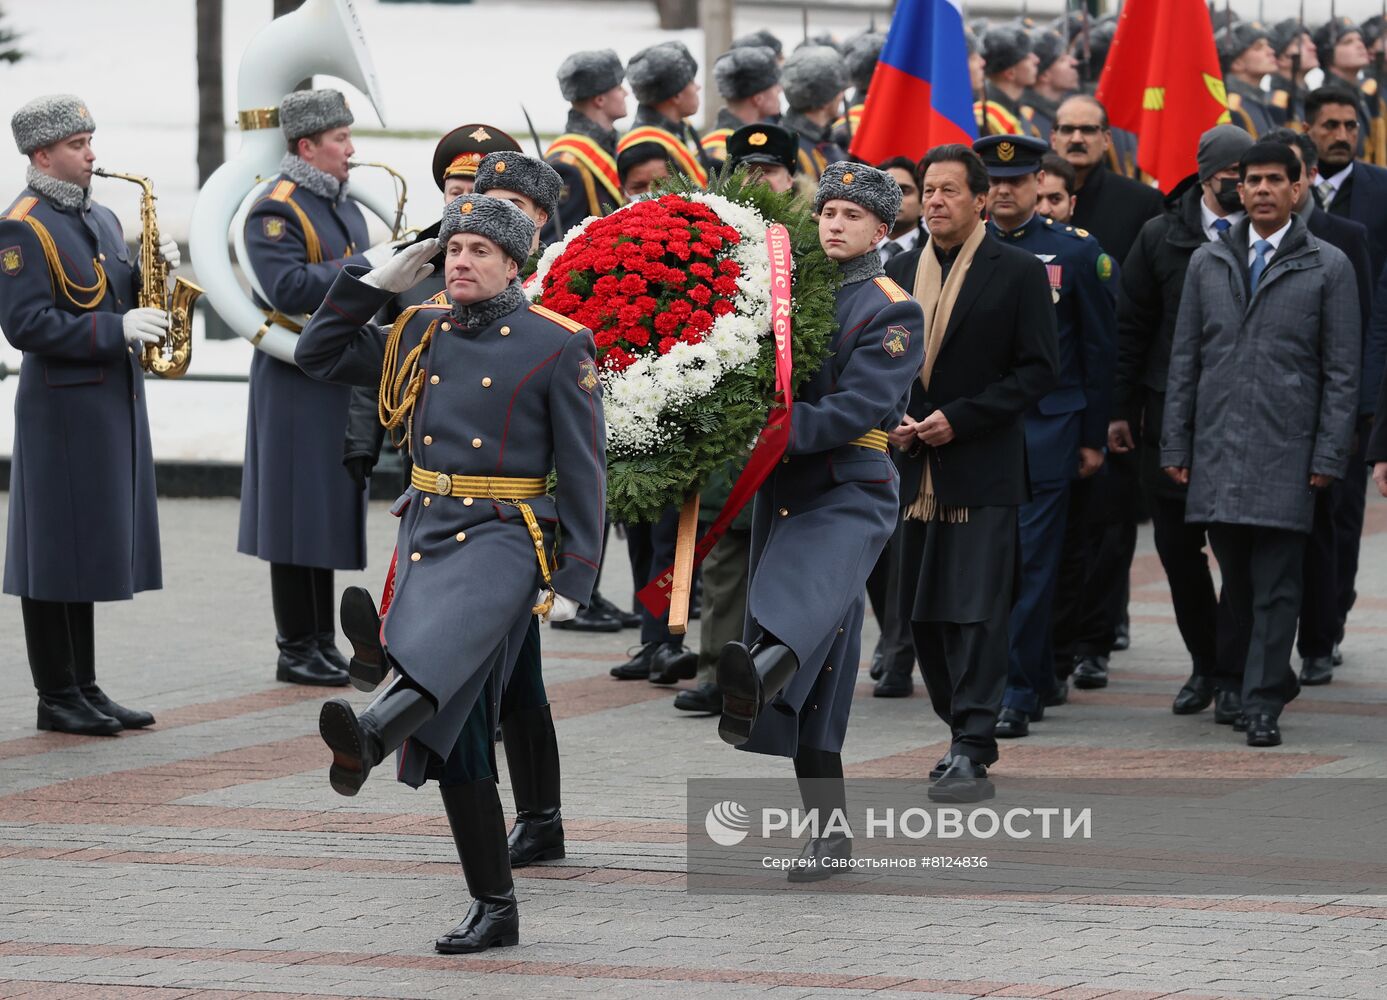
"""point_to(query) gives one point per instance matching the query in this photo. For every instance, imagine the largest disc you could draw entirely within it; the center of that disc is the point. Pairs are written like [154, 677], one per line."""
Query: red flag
[1162, 81]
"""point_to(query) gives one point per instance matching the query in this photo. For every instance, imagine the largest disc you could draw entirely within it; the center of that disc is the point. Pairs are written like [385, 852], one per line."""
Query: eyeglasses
[1087, 131]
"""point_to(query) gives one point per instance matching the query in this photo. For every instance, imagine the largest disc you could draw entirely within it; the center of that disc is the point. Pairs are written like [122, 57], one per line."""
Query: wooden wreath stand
[683, 566]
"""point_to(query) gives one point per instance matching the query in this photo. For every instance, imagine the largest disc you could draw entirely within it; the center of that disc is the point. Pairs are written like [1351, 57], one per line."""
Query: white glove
[381, 252]
[404, 270]
[168, 249]
[564, 609]
[145, 326]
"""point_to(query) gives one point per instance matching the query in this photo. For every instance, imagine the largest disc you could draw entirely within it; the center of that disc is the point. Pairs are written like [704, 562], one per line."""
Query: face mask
[1227, 195]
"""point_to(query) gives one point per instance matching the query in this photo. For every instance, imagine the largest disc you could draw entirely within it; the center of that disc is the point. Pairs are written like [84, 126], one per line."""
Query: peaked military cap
[1011, 155]
[508, 170]
[46, 120]
[587, 74]
[496, 219]
[1004, 47]
[762, 38]
[742, 72]
[760, 143]
[861, 54]
[460, 151]
[660, 71]
[873, 189]
[813, 76]
[308, 112]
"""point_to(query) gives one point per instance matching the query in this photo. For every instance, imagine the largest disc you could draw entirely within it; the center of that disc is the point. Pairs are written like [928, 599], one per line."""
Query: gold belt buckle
[444, 484]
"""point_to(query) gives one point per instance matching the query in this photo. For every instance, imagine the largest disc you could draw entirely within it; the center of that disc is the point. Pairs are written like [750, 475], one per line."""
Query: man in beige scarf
[990, 353]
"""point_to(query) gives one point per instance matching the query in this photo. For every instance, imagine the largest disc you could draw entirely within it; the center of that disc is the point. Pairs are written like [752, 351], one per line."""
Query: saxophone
[171, 357]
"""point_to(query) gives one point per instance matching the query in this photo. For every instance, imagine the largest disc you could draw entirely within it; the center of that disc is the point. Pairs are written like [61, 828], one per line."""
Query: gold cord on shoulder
[90, 295]
[401, 383]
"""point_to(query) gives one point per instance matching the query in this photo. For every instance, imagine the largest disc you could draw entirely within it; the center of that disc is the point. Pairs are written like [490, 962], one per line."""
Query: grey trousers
[725, 572]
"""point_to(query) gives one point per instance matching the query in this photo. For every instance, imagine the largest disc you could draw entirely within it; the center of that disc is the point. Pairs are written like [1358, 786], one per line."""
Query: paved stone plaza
[207, 857]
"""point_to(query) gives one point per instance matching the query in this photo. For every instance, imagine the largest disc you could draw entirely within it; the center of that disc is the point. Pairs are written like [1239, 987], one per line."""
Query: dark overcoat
[298, 504]
[825, 514]
[84, 521]
[516, 396]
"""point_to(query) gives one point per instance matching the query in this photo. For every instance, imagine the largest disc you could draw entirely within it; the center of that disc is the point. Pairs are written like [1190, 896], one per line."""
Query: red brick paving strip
[577, 970]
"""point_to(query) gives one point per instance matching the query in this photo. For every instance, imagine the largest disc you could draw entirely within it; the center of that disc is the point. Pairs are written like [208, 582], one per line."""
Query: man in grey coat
[1261, 399]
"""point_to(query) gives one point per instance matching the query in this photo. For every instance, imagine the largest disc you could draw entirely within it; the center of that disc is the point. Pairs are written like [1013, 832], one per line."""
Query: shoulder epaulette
[892, 291]
[1235, 100]
[1370, 86]
[21, 209]
[282, 191]
[441, 299]
[572, 326]
[1280, 99]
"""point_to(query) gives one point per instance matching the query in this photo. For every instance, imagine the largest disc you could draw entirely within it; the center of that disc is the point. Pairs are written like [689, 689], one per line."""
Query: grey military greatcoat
[298, 504]
[510, 390]
[84, 524]
[827, 511]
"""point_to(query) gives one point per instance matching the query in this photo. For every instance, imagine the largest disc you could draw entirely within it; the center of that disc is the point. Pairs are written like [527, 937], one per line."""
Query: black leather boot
[325, 630]
[479, 833]
[296, 621]
[820, 777]
[361, 626]
[532, 757]
[83, 632]
[748, 679]
[359, 743]
[62, 707]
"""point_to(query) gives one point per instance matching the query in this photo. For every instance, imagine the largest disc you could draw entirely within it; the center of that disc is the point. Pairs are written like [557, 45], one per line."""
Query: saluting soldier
[748, 78]
[1295, 57]
[496, 393]
[667, 94]
[67, 300]
[1245, 54]
[822, 518]
[301, 511]
[814, 79]
[861, 53]
[1010, 65]
[585, 155]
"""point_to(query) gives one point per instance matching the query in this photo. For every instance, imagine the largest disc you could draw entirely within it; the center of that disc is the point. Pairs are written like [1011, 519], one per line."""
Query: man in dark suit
[991, 354]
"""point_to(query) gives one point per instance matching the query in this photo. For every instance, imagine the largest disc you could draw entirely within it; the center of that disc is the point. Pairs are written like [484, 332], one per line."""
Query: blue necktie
[1222, 226]
[1259, 263]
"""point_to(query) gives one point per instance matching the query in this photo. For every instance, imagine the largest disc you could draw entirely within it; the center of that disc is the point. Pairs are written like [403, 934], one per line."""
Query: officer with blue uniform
[1067, 429]
[301, 511]
[495, 393]
[83, 522]
[828, 509]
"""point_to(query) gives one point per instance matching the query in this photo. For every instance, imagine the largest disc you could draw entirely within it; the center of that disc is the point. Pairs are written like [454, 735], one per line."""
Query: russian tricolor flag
[920, 95]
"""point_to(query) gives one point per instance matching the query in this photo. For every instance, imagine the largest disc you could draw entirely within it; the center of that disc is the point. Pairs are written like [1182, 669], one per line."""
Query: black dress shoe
[1262, 730]
[628, 619]
[673, 662]
[1012, 723]
[962, 781]
[894, 685]
[129, 718]
[1059, 695]
[1195, 696]
[706, 699]
[589, 619]
[816, 860]
[1317, 670]
[66, 711]
[1228, 706]
[1122, 637]
[878, 664]
[1240, 723]
[637, 668]
[490, 923]
[1091, 672]
[938, 770]
[301, 663]
[1337, 656]
[361, 626]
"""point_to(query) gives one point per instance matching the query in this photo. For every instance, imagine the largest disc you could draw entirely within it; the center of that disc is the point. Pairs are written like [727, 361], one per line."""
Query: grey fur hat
[742, 72]
[813, 76]
[763, 38]
[1004, 47]
[308, 112]
[1236, 39]
[499, 221]
[587, 74]
[507, 171]
[46, 120]
[861, 53]
[873, 189]
[660, 71]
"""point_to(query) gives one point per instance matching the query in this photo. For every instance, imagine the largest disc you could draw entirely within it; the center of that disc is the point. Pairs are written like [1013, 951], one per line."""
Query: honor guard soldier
[67, 300]
[1057, 77]
[1343, 56]
[1295, 56]
[822, 518]
[1246, 55]
[1067, 429]
[496, 393]
[762, 39]
[585, 155]
[768, 152]
[861, 53]
[300, 509]
[531, 185]
[1010, 67]
[663, 79]
[814, 79]
[748, 79]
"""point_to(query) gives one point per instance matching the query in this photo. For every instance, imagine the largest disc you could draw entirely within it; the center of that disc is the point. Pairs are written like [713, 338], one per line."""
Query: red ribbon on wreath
[775, 436]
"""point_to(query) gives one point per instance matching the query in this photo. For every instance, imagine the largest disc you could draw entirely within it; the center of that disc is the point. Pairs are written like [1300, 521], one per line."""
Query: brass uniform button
[476, 442]
[427, 501]
[447, 326]
[467, 501]
[486, 382]
[433, 380]
[505, 331]
[784, 511]
[415, 557]
[101, 256]
[462, 536]
[428, 439]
